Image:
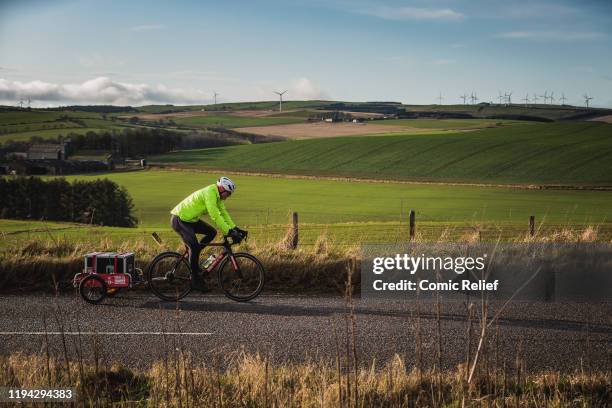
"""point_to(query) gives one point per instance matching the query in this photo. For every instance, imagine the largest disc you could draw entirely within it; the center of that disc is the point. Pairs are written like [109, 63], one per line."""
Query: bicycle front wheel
[241, 277]
[169, 276]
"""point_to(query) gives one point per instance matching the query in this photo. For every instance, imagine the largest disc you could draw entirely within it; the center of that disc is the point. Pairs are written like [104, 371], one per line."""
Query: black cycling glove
[235, 234]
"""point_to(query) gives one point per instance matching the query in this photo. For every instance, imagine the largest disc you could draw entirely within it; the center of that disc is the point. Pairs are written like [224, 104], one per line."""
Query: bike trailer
[116, 269]
[105, 274]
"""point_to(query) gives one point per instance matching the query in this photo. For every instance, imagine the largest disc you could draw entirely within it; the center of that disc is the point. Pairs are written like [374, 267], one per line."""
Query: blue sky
[138, 52]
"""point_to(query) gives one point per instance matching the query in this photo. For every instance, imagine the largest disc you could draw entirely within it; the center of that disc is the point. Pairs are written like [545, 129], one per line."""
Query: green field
[553, 153]
[262, 199]
[448, 124]
[235, 106]
[22, 125]
[49, 133]
[541, 111]
[231, 121]
[36, 116]
[348, 212]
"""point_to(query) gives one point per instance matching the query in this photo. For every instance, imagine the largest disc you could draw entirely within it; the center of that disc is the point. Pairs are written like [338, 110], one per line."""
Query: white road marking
[90, 333]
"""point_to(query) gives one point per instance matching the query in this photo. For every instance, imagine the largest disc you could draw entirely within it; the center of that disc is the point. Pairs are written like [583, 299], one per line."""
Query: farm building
[47, 152]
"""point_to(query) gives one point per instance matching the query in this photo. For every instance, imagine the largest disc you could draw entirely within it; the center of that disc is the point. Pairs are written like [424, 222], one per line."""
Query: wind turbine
[587, 98]
[21, 104]
[215, 94]
[551, 97]
[500, 97]
[562, 98]
[280, 94]
[509, 98]
[545, 96]
[29, 102]
[474, 98]
[439, 98]
[535, 98]
[464, 97]
[526, 99]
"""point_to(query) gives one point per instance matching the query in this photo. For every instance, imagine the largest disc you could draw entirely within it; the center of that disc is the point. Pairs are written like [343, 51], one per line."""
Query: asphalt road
[136, 329]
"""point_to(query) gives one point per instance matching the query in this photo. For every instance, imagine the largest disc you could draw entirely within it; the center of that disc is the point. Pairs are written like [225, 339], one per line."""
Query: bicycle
[240, 275]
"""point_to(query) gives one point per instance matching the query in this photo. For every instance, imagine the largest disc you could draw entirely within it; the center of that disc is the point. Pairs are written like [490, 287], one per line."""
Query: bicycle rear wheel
[243, 280]
[169, 276]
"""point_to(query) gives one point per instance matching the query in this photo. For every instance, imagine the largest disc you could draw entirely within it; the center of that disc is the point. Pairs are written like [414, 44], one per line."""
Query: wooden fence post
[412, 225]
[294, 241]
[531, 225]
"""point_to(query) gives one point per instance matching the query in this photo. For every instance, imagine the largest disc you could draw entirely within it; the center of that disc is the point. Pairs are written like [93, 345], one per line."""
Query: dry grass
[252, 380]
[51, 264]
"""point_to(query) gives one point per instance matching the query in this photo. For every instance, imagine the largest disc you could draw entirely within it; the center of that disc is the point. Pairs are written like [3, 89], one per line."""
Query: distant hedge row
[100, 202]
[129, 142]
[140, 142]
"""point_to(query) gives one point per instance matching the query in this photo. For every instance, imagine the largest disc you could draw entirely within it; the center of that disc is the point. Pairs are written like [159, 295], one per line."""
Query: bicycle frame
[226, 252]
[232, 282]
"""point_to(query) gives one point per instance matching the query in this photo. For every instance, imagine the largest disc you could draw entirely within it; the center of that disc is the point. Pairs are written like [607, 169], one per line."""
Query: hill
[538, 112]
[577, 153]
[234, 106]
[22, 124]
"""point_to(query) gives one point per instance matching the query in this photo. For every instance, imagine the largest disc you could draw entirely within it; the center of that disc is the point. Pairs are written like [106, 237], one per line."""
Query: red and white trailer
[105, 273]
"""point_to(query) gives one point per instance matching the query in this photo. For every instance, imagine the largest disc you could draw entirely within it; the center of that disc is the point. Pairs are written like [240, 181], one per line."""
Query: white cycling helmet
[227, 184]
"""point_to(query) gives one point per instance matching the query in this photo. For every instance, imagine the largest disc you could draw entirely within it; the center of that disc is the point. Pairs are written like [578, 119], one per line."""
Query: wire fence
[308, 234]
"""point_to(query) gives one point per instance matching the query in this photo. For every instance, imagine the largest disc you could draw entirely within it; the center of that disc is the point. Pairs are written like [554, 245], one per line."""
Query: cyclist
[186, 221]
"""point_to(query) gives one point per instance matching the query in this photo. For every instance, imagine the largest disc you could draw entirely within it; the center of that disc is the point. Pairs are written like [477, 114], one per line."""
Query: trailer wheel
[93, 289]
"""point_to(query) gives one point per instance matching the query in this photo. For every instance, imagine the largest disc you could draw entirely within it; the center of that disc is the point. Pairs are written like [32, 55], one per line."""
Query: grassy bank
[47, 265]
[43, 262]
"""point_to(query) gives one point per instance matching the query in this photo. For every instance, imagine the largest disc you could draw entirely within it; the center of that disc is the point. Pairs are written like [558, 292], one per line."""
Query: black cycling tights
[187, 231]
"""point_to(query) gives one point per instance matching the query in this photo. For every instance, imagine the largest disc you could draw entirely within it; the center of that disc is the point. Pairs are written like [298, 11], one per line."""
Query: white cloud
[298, 89]
[100, 90]
[413, 13]
[550, 35]
[304, 88]
[148, 27]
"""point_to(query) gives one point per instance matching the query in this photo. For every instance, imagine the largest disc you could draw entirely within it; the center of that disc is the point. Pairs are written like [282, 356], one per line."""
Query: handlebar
[226, 239]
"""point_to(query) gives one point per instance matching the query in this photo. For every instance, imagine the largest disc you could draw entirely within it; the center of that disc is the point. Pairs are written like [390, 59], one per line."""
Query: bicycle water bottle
[208, 262]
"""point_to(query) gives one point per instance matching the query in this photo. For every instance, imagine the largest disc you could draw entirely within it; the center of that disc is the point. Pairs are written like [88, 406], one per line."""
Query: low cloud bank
[100, 90]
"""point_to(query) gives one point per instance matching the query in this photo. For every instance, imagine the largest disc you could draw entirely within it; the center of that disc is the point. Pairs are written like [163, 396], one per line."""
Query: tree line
[141, 142]
[100, 202]
[125, 143]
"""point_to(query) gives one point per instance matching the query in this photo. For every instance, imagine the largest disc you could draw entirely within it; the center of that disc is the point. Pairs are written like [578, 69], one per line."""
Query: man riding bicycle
[186, 221]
